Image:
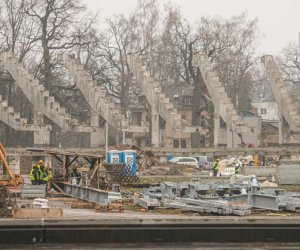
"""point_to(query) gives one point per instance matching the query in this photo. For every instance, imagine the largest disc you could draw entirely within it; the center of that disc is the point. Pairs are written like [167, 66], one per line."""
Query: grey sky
[279, 20]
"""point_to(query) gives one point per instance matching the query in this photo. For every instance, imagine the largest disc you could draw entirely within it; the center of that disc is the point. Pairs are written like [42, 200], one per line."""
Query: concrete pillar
[123, 137]
[98, 134]
[216, 129]
[42, 136]
[154, 128]
[280, 132]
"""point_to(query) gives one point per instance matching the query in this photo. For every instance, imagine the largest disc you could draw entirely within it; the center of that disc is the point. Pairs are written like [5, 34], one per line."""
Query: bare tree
[57, 19]
[290, 64]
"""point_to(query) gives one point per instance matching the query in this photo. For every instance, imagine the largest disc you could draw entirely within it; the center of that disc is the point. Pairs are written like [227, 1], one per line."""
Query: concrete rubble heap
[225, 109]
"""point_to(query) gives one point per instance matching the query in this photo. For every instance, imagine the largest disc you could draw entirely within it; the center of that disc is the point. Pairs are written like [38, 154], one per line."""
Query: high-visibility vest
[216, 166]
[49, 176]
[42, 175]
[31, 176]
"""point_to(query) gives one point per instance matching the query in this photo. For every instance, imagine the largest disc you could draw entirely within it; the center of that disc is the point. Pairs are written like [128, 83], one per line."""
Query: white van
[204, 161]
[185, 161]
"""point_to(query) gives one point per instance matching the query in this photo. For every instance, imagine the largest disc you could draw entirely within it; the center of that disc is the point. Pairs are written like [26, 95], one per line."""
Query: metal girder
[91, 194]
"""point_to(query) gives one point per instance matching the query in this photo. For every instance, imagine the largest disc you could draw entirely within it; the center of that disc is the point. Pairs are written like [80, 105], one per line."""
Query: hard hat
[34, 165]
[218, 159]
[41, 161]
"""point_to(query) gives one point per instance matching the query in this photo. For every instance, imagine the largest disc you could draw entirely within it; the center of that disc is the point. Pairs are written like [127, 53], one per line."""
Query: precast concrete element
[261, 171]
[168, 189]
[275, 200]
[209, 206]
[33, 191]
[158, 101]
[286, 104]
[288, 172]
[96, 96]
[223, 105]
[147, 202]
[14, 120]
[38, 96]
[91, 194]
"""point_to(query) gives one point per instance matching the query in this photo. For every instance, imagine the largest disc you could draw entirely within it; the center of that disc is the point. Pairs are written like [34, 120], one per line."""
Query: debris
[109, 208]
[267, 184]
[7, 202]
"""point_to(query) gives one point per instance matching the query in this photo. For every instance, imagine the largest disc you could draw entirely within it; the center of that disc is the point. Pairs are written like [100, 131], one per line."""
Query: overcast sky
[279, 20]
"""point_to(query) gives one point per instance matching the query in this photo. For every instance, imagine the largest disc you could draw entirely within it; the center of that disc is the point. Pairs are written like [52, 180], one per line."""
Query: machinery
[8, 178]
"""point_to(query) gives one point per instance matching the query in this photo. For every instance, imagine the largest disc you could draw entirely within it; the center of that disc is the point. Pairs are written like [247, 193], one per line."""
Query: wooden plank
[109, 208]
[37, 213]
[62, 199]
[83, 205]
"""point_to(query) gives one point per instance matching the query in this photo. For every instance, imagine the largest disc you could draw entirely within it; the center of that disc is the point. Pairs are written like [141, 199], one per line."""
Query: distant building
[268, 110]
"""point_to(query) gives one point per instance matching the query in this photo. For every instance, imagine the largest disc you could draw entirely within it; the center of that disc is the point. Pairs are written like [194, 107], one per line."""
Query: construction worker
[76, 175]
[216, 167]
[42, 174]
[49, 173]
[34, 175]
[41, 163]
[237, 169]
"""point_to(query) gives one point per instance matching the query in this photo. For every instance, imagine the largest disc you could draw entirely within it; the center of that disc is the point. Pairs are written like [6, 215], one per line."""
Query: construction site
[199, 165]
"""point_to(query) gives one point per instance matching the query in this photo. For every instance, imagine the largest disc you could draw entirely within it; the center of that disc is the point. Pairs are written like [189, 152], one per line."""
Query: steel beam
[91, 194]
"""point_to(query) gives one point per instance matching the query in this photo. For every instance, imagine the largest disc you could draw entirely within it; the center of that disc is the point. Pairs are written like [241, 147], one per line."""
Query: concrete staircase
[286, 104]
[13, 119]
[95, 95]
[222, 103]
[38, 96]
[154, 94]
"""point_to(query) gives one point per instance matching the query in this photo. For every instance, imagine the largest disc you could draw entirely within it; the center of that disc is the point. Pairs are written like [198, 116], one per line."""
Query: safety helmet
[41, 161]
[34, 165]
[218, 159]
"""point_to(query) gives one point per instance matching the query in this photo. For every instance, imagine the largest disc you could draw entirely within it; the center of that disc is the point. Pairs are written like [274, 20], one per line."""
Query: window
[263, 111]
[176, 143]
[137, 118]
[188, 101]
[183, 143]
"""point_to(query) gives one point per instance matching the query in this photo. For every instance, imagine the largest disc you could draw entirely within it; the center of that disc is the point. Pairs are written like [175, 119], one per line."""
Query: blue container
[129, 158]
[114, 156]
[169, 157]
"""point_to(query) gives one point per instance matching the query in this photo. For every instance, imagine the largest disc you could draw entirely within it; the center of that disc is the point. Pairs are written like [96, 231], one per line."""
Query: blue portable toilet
[114, 156]
[129, 158]
[169, 157]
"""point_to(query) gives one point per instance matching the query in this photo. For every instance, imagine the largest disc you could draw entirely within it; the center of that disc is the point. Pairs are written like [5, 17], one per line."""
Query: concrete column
[42, 136]
[216, 129]
[280, 132]
[98, 134]
[154, 128]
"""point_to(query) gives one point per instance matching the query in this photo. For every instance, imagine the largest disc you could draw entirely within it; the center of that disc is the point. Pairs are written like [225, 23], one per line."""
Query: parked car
[204, 161]
[185, 161]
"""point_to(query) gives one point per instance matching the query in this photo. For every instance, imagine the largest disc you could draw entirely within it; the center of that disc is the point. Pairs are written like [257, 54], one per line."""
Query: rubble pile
[148, 164]
[7, 203]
